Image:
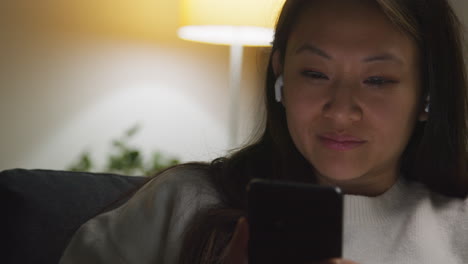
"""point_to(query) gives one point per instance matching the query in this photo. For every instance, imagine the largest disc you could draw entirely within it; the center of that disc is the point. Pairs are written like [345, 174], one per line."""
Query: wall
[71, 81]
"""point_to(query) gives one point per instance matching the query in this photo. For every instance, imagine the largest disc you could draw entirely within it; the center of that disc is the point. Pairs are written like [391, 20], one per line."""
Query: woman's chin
[336, 176]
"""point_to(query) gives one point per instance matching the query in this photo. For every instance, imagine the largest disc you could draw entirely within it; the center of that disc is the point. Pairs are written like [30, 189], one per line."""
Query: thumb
[238, 246]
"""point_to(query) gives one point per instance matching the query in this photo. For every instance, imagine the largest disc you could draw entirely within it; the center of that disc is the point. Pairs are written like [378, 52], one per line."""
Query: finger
[237, 248]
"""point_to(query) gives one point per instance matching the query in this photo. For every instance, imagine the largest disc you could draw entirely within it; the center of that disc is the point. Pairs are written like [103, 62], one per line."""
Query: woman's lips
[341, 142]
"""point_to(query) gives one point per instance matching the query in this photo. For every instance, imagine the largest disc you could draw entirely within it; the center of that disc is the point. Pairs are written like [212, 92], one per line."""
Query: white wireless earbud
[279, 88]
[428, 98]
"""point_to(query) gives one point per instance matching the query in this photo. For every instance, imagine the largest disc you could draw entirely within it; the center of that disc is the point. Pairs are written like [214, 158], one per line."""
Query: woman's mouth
[340, 142]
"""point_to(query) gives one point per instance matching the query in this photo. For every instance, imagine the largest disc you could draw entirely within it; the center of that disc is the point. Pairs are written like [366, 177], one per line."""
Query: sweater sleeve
[148, 228]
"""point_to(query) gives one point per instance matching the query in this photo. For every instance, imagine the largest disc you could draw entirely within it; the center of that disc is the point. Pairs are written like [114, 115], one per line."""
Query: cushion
[43, 208]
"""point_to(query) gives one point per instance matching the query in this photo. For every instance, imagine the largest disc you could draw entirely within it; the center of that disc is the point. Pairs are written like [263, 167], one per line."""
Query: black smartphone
[294, 222]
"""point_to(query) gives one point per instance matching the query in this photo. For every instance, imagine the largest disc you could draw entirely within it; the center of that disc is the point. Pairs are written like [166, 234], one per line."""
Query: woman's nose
[341, 105]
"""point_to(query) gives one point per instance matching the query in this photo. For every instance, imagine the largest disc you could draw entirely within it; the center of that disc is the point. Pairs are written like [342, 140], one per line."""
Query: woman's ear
[276, 63]
[277, 69]
[424, 114]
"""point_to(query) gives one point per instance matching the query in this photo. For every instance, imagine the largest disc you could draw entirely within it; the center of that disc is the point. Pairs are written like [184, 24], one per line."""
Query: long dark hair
[435, 156]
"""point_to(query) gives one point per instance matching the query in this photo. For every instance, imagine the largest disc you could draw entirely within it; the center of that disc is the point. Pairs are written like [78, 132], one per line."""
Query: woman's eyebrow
[384, 57]
[308, 47]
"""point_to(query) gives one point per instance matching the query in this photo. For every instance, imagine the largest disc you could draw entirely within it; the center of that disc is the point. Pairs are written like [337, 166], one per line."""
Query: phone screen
[294, 222]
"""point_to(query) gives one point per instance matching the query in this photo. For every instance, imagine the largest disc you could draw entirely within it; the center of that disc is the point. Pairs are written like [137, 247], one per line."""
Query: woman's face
[351, 91]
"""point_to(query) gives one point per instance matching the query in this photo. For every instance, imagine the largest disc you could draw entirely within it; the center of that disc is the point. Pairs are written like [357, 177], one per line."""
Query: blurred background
[77, 74]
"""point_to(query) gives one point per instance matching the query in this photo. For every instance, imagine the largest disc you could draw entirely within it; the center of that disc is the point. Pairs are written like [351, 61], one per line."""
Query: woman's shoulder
[417, 190]
[148, 227]
[186, 179]
[185, 174]
[177, 190]
[450, 210]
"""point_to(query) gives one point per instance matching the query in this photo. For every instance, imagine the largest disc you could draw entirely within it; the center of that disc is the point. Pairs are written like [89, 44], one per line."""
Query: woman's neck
[366, 185]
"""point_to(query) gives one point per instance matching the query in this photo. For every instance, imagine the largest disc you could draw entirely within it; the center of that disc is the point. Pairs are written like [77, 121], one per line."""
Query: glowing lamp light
[236, 23]
[228, 35]
[229, 22]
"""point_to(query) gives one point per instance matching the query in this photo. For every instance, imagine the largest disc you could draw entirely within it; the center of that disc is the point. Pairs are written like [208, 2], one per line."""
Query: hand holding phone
[293, 222]
[237, 250]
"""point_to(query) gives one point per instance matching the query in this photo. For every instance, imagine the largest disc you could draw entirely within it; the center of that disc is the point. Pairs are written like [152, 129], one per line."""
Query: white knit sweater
[406, 224]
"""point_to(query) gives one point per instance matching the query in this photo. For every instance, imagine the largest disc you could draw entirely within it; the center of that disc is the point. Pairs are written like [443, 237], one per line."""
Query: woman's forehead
[362, 17]
[351, 28]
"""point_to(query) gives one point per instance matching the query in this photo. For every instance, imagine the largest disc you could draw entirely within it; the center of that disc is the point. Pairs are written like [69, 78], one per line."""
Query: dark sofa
[41, 209]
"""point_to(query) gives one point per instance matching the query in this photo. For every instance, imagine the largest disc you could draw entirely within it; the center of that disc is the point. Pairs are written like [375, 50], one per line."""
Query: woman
[366, 95]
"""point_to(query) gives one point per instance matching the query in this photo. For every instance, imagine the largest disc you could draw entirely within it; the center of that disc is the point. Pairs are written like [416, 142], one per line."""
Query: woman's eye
[315, 75]
[378, 81]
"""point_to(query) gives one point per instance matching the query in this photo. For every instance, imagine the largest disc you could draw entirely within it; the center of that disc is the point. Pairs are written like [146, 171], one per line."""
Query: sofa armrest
[43, 208]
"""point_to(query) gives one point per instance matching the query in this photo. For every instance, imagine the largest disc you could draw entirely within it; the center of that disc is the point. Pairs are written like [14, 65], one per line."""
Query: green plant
[126, 159]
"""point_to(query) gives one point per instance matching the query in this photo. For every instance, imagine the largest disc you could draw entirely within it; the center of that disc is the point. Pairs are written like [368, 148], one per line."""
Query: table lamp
[236, 23]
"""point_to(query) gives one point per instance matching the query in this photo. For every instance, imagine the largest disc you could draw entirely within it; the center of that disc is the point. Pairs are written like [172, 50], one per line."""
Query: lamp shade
[229, 22]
